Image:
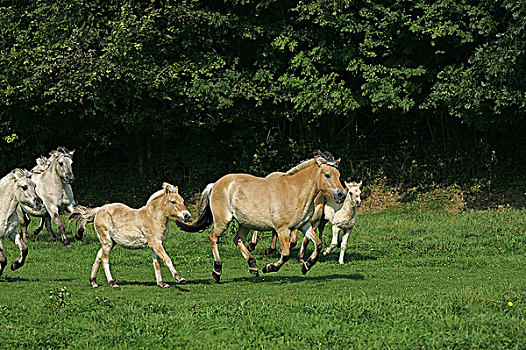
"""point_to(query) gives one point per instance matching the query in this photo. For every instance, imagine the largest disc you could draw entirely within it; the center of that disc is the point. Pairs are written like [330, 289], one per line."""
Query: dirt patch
[451, 199]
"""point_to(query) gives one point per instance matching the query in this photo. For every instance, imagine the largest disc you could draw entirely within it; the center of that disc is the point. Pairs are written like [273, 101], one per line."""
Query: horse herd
[304, 198]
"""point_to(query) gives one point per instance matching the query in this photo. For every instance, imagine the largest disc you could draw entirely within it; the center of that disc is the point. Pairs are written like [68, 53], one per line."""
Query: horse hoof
[341, 262]
[217, 276]
[78, 237]
[163, 285]
[254, 273]
[304, 268]
[182, 281]
[15, 266]
[66, 243]
[251, 246]
[94, 285]
[113, 284]
[269, 251]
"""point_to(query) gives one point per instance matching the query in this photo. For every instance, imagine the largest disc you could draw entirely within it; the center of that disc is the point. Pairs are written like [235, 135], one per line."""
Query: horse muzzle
[358, 202]
[70, 178]
[339, 195]
[37, 204]
[185, 216]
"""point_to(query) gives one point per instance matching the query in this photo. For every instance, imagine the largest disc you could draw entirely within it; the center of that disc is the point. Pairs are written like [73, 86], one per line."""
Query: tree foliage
[259, 83]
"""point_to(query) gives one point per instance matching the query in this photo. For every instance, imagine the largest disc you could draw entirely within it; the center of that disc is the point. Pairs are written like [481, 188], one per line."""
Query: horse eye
[173, 202]
[24, 188]
[61, 164]
[328, 176]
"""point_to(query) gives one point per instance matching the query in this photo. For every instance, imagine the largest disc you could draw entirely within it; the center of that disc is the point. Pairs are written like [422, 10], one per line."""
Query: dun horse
[53, 178]
[16, 188]
[341, 216]
[283, 203]
[135, 229]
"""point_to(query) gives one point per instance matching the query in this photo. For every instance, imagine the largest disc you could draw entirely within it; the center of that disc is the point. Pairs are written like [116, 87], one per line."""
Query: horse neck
[8, 201]
[156, 211]
[349, 207]
[51, 176]
[304, 182]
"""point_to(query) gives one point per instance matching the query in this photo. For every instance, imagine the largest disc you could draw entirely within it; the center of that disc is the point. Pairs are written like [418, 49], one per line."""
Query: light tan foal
[135, 229]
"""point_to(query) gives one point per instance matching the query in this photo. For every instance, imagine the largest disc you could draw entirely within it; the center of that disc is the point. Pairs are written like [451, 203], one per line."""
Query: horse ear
[71, 152]
[338, 161]
[347, 184]
[176, 189]
[360, 184]
[320, 160]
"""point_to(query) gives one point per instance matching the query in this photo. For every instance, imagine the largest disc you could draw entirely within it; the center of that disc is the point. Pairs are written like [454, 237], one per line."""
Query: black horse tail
[204, 214]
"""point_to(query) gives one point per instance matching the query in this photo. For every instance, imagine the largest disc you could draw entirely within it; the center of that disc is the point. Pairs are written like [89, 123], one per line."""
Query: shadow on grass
[173, 285]
[279, 279]
[10, 279]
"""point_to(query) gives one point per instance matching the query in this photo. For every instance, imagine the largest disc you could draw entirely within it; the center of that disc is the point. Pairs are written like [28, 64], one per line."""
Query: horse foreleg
[344, 244]
[303, 248]
[159, 252]
[47, 222]
[273, 246]
[157, 270]
[3, 260]
[80, 231]
[19, 262]
[253, 242]
[284, 242]
[307, 265]
[238, 240]
[293, 238]
[24, 220]
[60, 226]
[334, 242]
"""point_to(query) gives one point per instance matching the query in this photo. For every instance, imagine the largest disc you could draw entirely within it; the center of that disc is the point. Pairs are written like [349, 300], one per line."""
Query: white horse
[15, 188]
[117, 223]
[342, 216]
[53, 177]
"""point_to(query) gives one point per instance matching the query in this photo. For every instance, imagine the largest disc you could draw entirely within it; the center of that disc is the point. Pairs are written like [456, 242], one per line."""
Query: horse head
[175, 207]
[329, 176]
[25, 192]
[353, 188]
[62, 159]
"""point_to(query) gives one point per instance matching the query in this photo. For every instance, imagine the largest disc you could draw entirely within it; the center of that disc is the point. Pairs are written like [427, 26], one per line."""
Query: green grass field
[412, 279]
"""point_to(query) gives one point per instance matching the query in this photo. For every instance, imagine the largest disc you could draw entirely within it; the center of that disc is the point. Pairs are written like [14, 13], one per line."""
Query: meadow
[414, 278]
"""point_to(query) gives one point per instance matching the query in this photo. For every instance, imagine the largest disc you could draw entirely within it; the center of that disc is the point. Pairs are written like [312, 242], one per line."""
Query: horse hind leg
[284, 242]
[19, 262]
[239, 241]
[95, 269]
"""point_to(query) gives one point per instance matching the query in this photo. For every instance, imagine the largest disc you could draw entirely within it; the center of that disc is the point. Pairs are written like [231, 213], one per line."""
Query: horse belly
[131, 239]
